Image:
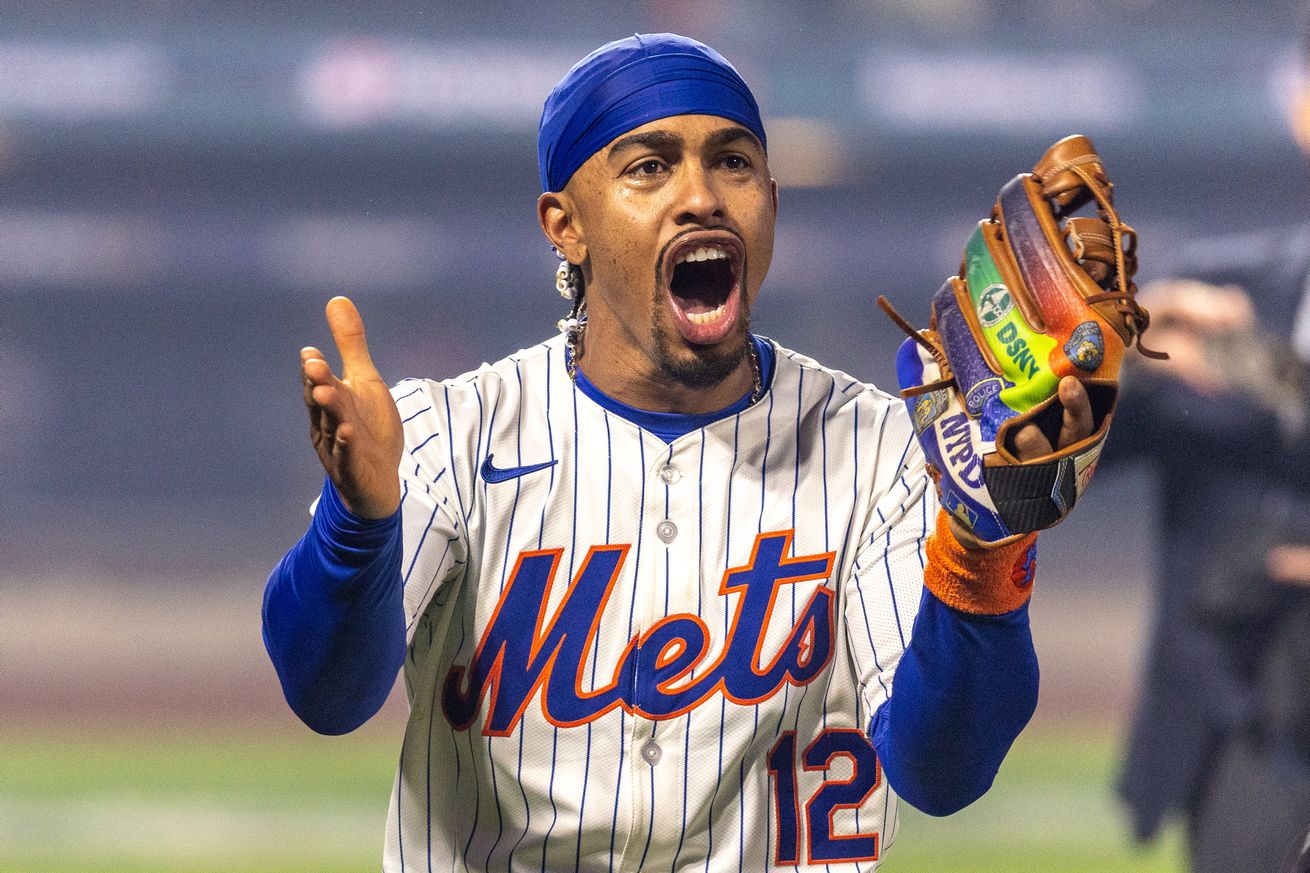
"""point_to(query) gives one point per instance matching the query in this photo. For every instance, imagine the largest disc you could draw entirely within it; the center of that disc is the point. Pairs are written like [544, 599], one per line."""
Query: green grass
[241, 803]
[194, 802]
[1051, 810]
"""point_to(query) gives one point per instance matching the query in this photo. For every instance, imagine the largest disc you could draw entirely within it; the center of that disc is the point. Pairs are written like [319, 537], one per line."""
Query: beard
[700, 367]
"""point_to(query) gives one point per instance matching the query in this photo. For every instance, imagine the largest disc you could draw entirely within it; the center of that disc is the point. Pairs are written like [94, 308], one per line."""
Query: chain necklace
[757, 389]
[573, 334]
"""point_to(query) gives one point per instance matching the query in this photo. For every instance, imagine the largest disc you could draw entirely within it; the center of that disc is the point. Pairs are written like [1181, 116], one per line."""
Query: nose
[699, 199]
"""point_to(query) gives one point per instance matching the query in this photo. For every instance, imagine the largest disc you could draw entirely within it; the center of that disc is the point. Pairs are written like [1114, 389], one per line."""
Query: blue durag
[630, 82]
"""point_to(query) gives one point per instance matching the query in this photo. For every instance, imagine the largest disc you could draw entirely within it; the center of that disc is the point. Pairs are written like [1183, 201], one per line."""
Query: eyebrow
[733, 134]
[662, 140]
[656, 140]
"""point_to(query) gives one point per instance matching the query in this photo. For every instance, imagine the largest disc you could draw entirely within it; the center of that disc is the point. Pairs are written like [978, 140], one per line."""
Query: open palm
[353, 422]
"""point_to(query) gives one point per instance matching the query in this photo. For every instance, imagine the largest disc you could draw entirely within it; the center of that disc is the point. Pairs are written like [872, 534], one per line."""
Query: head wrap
[627, 83]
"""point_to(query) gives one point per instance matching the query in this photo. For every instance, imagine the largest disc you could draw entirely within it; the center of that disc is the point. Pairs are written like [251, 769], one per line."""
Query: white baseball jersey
[626, 654]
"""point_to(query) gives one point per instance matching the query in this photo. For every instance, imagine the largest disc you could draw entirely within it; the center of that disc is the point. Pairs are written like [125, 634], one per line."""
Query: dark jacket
[1232, 483]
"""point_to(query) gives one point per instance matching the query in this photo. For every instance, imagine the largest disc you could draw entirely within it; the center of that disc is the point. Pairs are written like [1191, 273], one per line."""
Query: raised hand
[1030, 443]
[353, 422]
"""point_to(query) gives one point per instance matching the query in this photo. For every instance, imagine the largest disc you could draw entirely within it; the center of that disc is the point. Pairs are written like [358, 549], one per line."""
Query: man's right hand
[353, 422]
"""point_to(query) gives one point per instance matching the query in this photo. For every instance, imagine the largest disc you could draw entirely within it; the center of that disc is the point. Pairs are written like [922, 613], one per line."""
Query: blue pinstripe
[554, 740]
[428, 788]
[632, 612]
[400, 828]
[450, 428]
[430, 438]
[609, 496]
[573, 549]
[416, 415]
[433, 581]
[650, 829]
[723, 703]
[436, 689]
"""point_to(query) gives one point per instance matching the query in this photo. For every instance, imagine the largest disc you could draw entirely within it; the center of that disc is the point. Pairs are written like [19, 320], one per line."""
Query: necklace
[757, 390]
[573, 333]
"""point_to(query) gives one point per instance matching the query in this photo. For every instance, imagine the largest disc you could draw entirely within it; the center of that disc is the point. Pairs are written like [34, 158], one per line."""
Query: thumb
[348, 333]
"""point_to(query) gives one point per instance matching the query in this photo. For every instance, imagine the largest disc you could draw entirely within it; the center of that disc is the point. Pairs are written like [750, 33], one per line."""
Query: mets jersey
[628, 654]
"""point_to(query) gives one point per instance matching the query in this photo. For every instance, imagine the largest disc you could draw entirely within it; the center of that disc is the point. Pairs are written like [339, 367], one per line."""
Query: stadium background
[183, 185]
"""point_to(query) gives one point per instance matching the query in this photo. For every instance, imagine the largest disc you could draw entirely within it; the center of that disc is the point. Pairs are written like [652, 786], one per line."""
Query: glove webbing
[1135, 317]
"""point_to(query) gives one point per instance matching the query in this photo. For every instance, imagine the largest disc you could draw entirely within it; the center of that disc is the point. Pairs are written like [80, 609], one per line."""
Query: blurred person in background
[1222, 728]
[1298, 861]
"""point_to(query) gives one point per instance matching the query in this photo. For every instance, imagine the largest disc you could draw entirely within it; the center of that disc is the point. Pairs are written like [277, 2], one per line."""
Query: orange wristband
[980, 581]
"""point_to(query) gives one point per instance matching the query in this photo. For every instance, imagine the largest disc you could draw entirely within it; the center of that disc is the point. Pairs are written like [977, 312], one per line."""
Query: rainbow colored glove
[1041, 294]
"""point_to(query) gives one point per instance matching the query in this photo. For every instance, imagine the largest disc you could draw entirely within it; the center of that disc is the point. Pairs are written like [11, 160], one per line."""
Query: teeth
[704, 253]
[706, 317]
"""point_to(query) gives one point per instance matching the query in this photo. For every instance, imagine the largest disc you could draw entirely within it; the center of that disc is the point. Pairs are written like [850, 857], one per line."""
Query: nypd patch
[1086, 347]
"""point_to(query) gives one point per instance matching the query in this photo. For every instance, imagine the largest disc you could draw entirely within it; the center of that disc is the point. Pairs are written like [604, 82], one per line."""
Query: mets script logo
[525, 652]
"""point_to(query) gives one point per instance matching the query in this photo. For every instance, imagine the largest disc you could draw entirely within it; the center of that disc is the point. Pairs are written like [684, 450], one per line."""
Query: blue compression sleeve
[964, 689]
[334, 619]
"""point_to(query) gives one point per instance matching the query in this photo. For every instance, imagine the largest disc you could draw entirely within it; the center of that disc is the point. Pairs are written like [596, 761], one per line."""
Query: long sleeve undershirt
[334, 628]
[334, 620]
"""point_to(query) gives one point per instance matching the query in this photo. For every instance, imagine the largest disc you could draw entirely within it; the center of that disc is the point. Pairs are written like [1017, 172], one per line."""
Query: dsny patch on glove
[1041, 294]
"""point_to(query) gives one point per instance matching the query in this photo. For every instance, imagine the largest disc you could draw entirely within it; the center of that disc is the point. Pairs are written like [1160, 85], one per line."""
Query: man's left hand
[1030, 443]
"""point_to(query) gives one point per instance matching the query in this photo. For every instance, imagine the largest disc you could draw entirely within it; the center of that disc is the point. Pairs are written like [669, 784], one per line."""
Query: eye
[646, 168]
[736, 162]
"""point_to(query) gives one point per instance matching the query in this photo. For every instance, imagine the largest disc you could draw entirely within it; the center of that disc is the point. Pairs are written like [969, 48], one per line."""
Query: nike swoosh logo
[493, 474]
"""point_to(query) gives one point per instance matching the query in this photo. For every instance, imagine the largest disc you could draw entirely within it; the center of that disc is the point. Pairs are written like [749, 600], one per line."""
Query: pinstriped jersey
[625, 654]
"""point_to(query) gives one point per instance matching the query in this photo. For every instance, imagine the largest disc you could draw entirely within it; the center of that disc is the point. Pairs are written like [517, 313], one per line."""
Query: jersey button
[666, 530]
[652, 752]
[669, 474]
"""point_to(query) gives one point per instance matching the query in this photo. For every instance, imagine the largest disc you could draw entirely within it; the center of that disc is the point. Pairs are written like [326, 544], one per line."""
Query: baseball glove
[1041, 294]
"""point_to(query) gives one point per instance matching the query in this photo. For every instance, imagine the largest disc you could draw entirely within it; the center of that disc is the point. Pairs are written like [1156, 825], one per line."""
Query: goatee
[710, 365]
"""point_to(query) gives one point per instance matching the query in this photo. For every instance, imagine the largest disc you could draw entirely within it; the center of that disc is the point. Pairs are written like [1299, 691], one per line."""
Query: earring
[566, 280]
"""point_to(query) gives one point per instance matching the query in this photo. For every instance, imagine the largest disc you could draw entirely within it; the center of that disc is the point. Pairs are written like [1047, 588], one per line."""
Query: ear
[559, 221]
[773, 194]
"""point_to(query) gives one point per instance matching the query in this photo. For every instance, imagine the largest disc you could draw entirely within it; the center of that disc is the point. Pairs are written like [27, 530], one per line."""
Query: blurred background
[183, 186]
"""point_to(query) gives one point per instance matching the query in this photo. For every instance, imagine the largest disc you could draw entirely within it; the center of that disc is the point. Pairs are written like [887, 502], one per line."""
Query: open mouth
[703, 286]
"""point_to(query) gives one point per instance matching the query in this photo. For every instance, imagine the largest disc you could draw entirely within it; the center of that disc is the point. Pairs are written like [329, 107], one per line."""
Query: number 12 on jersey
[823, 845]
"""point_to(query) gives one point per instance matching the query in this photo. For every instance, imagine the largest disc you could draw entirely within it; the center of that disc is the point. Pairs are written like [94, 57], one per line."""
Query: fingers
[314, 373]
[1077, 424]
[1289, 564]
[1030, 443]
[348, 333]
[323, 394]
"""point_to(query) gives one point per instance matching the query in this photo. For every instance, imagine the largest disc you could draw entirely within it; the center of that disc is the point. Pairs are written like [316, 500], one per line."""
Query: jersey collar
[668, 426]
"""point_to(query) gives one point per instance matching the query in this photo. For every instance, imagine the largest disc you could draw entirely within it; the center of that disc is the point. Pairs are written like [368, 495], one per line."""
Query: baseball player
[651, 582]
